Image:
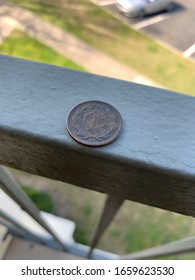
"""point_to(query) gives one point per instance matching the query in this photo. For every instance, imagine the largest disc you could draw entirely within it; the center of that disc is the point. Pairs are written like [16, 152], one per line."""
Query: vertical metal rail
[111, 207]
[13, 189]
[174, 248]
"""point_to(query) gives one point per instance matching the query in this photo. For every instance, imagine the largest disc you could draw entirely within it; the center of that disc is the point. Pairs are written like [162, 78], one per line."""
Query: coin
[94, 123]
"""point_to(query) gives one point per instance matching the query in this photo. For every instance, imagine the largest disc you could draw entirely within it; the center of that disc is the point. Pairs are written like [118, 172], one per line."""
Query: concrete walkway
[69, 46]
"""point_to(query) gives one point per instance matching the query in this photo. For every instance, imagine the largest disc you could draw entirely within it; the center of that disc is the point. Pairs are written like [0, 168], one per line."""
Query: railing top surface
[158, 133]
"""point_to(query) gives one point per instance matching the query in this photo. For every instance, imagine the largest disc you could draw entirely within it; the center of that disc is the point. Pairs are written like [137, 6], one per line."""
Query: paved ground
[175, 28]
[68, 45]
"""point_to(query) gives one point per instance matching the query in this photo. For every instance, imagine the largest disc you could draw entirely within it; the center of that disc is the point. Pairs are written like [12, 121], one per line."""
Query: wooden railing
[152, 162]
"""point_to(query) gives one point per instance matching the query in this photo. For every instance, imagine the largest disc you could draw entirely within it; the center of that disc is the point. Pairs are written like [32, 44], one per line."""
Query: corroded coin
[94, 123]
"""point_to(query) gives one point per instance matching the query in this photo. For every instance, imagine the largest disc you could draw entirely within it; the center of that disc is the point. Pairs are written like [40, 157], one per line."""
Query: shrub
[41, 199]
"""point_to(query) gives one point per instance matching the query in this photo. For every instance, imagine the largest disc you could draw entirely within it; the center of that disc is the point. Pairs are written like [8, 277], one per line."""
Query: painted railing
[152, 162]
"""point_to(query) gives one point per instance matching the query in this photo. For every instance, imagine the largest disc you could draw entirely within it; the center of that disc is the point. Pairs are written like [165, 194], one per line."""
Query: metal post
[111, 207]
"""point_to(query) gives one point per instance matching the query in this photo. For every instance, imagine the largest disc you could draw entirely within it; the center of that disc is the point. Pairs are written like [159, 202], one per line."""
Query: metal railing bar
[111, 207]
[19, 228]
[10, 226]
[174, 248]
[13, 189]
[82, 250]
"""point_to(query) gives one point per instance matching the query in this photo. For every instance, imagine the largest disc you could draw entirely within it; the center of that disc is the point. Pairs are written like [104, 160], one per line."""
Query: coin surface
[94, 123]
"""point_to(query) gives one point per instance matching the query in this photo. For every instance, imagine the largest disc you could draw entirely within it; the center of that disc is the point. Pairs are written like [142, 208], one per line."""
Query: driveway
[176, 28]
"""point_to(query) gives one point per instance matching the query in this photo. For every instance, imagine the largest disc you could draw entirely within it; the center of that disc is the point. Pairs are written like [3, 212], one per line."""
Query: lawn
[93, 25]
[20, 45]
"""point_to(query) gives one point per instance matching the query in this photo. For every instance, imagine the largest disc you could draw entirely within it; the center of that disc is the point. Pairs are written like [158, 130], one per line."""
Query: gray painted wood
[153, 160]
[111, 207]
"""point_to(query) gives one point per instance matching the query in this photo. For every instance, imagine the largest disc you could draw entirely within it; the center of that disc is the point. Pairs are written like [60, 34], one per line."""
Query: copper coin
[94, 123]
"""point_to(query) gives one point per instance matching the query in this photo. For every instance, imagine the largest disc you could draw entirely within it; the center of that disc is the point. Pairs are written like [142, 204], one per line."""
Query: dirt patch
[100, 31]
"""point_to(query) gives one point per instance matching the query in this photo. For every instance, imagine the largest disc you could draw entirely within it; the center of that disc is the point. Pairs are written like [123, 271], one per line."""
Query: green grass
[41, 199]
[93, 25]
[20, 45]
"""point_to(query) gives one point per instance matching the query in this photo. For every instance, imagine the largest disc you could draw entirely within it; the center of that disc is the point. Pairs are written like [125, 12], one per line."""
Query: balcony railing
[152, 162]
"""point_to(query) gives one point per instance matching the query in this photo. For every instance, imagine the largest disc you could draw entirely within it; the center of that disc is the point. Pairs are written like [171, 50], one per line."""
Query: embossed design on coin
[94, 123]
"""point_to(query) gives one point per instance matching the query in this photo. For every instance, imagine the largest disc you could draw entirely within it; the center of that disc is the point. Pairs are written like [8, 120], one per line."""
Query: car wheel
[170, 7]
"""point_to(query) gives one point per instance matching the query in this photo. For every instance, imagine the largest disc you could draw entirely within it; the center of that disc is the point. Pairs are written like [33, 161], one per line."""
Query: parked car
[140, 8]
